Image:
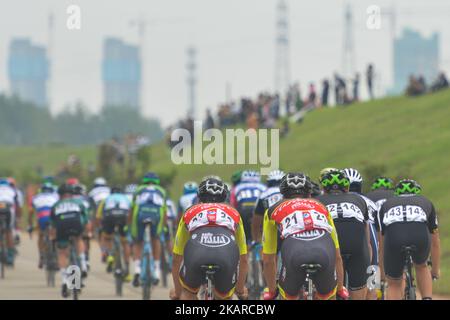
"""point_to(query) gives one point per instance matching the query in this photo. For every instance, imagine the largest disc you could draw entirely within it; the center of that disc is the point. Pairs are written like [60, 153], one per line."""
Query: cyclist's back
[42, 204]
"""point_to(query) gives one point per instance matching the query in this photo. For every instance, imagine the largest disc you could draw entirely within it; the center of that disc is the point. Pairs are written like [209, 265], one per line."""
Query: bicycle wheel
[2, 249]
[147, 281]
[118, 272]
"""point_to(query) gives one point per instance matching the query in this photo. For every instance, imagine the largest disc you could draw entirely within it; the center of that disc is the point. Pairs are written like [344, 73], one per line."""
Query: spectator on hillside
[369, 78]
[312, 97]
[415, 87]
[440, 83]
[252, 121]
[209, 123]
[298, 97]
[340, 89]
[325, 92]
[275, 109]
[356, 88]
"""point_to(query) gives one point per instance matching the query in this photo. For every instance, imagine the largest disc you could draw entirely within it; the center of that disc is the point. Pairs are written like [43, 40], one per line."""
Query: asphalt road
[26, 281]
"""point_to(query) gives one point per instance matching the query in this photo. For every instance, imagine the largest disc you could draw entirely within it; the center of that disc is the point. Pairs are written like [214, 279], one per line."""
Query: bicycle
[3, 249]
[75, 261]
[119, 259]
[256, 285]
[345, 258]
[147, 264]
[310, 270]
[209, 270]
[50, 259]
[166, 260]
[410, 288]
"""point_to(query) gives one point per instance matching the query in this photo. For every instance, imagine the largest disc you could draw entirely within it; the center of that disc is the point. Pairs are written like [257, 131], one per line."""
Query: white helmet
[275, 175]
[100, 181]
[250, 176]
[353, 175]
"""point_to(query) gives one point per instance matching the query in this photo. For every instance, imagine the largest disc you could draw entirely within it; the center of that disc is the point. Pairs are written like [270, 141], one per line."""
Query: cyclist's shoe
[267, 295]
[156, 276]
[84, 274]
[343, 294]
[109, 264]
[88, 265]
[136, 281]
[64, 291]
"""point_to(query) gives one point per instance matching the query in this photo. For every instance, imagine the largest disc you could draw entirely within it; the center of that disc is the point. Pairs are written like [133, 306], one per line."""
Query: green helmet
[383, 183]
[324, 171]
[236, 177]
[150, 178]
[408, 186]
[335, 180]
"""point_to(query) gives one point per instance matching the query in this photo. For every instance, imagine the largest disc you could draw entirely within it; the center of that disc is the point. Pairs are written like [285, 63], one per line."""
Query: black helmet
[65, 189]
[212, 190]
[335, 180]
[315, 189]
[408, 186]
[295, 184]
[78, 189]
[116, 189]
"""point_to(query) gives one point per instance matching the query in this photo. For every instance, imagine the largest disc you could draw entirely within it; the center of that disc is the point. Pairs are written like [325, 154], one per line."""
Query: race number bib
[303, 220]
[345, 210]
[270, 201]
[399, 213]
[150, 198]
[211, 217]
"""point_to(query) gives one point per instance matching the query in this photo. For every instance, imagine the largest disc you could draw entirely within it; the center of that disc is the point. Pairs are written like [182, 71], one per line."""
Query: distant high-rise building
[121, 72]
[28, 71]
[415, 55]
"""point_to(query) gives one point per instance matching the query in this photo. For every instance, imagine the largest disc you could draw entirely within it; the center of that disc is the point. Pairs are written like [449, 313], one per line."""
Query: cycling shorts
[210, 246]
[7, 213]
[355, 252]
[154, 217]
[110, 222]
[296, 251]
[66, 229]
[398, 235]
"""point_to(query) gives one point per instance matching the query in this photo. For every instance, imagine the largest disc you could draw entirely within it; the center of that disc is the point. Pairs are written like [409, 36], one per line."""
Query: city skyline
[230, 50]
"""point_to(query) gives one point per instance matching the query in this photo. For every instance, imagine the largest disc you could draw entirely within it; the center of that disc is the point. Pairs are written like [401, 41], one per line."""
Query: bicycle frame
[147, 264]
[410, 288]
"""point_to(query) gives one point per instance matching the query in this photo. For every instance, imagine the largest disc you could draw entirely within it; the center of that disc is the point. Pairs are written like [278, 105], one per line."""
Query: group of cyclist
[351, 237]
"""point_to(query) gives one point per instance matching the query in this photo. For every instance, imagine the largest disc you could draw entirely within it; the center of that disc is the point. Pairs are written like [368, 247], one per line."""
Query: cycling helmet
[212, 190]
[48, 179]
[190, 187]
[150, 178]
[383, 183]
[325, 171]
[274, 177]
[236, 177]
[250, 176]
[47, 187]
[116, 189]
[100, 181]
[212, 177]
[130, 188]
[408, 186]
[355, 179]
[72, 181]
[335, 180]
[65, 189]
[4, 181]
[295, 184]
[79, 189]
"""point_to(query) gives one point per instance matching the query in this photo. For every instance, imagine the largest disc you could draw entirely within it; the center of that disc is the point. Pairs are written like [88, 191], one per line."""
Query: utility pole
[141, 25]
[191, 68]
[50, 45]
[282, 56]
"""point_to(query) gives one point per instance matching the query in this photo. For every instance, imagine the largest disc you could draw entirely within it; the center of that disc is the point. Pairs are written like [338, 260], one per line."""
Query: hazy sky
[234, 39]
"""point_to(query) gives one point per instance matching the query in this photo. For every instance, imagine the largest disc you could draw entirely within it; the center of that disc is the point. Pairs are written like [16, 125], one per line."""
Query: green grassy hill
[399, 137]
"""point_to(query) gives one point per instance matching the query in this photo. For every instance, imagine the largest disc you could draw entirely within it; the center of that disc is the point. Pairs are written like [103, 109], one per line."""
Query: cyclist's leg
[394, 263]
[325, 255]
[372, 294]
[108, 230]
[138, 244]
[42, 227]
[420, 257]
[156, 246]
[294, 253]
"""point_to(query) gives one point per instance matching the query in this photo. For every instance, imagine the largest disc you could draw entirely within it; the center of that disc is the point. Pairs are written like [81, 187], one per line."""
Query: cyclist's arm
[435, 243]
[176, 265]
[181, 239]
[31, 216]
[270, 238]
[339, 262]
[243, 259]
[257, 220]
[99, 213]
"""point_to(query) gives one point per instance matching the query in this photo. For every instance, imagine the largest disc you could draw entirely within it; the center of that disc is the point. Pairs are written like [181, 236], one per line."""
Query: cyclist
[130, 189]
[79, 192]
[41, 206]
[356, 182]
[267, 199]
[9, 203]
[409, 219]
[381, 190]
[68, 219]
[244, 198]
[307, 236]
[188, 198]
[18, 209]
[210, 232]
[111, 213]
[149, 203]
[170, 229]
[99, 192]
[350, 214]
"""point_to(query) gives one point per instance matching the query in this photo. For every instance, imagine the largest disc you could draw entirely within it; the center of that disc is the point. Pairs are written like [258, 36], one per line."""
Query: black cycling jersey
[406, 209]
[267, 199]
[379, 196]
[345, 206]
